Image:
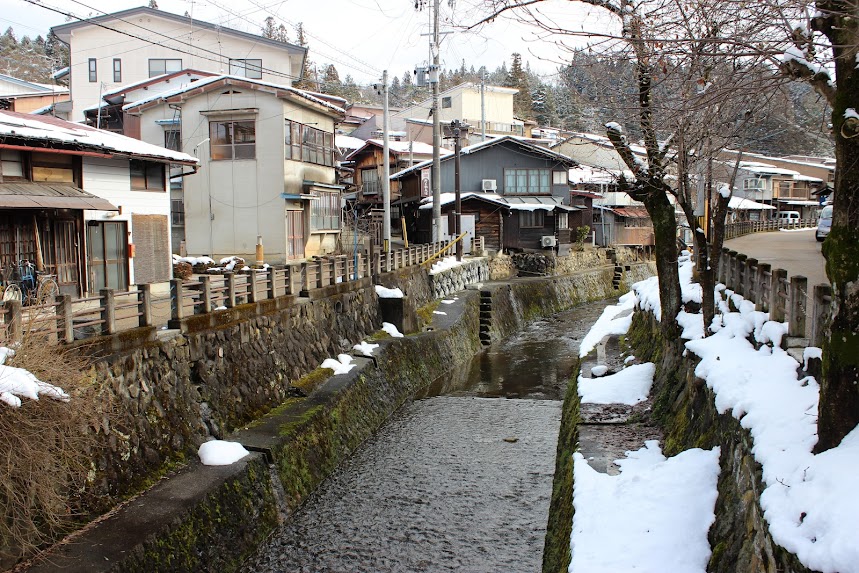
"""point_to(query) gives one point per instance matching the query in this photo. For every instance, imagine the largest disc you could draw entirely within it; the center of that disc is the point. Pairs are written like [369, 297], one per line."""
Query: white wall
[105, 45]
[110, 179]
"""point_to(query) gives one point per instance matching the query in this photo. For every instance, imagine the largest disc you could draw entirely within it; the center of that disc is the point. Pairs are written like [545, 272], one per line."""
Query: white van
[788, 216]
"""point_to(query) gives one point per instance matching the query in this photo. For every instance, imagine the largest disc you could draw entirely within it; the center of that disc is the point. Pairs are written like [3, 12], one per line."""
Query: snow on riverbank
[809, 501]
[652, 518]
[17, 383]
[629, 386]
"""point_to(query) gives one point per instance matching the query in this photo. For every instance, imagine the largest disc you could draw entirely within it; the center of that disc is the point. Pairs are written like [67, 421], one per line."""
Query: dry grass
[46, 447]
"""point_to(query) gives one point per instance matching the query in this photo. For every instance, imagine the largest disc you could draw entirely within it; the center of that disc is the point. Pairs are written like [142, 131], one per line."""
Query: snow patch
[392, 330]
[366, 348]
[17, 383]
[385, 292]
[221, 453]
[629, 386]
[341, 365]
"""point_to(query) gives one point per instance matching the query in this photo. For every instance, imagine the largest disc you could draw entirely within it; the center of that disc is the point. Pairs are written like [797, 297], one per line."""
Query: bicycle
[31, 286]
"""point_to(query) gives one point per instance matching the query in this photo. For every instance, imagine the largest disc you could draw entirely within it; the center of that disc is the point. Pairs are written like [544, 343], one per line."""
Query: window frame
[146, 176]
[216, 146]
[241, 66]
[92, 67]
[446, 102]
[164, 61]
[20, 161]
[563, 219]
[177, 212]
[562, 175]
[536, 216]
[325, 212]
[308, 144]
[543, 186]
[117, 70]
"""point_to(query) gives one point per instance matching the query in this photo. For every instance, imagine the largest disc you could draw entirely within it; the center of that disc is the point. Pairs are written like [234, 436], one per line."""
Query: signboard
[425, 183]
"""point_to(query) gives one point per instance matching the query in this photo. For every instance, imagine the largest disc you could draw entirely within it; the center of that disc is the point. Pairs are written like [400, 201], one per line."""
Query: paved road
[795, 251]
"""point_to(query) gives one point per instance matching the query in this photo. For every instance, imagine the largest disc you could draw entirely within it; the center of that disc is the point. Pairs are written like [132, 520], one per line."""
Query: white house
[91, 206]
[140, 43]
[266, 165]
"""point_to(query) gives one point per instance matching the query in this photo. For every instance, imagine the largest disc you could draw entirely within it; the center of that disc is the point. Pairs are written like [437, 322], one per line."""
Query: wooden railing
[734, 230]
[783, 298]
[66, 319]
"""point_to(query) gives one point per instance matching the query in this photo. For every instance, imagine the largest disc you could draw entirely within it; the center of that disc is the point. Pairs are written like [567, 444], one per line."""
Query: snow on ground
[221, 453]
[629, 386]
[652, 518]
[391, 329]
[385, 292]
[340, 365]
[798, 230]
[444, 264]
[16, 383]
[809, 501]
[439, 312]
[448, 301]
[615, 319]
[366, 348]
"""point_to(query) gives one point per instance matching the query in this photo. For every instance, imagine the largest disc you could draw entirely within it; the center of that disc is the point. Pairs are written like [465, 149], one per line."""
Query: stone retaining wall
[457, 278]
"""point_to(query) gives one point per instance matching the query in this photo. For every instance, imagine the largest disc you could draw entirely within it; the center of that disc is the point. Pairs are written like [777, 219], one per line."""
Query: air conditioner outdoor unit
[548, 241]
[490, 185]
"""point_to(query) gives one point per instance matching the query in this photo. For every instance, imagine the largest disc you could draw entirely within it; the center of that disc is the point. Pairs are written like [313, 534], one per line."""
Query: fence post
[177, 295]
[740, 278]
[206, 289]
[763, 289]
[820, 313]
[65, 326]
[272, 278]
[108, 311]
[16, 320]
[253, 293]
[751, 273]
[230, 286]
[798, 303]
[779, 299]
[144, 303]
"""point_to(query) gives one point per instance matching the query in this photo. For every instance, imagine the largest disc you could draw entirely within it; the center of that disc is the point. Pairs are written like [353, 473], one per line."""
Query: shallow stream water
[457, 480]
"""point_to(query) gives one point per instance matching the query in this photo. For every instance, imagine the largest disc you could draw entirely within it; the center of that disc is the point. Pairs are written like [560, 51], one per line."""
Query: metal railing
[783, 298]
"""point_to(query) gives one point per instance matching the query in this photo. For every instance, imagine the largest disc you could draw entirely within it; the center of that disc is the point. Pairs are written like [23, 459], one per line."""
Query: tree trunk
[661, 213]
[838, 410]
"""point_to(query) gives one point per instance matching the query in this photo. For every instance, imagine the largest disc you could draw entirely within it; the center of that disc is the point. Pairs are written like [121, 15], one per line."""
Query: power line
[220, 59]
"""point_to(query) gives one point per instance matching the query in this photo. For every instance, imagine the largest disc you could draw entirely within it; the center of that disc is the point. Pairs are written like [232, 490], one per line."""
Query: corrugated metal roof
[631, 212]
[50, 196]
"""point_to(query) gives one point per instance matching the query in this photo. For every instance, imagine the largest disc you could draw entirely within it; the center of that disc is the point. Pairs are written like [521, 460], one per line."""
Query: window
[531, 219]
[11, 164]
[526, 181]
[563, 221]
[753, 183]
[177, 212]
[305, 143]
[93, 70]
[325, 212]
[53, 167]
[173, 139]
[117, 70]
[158, 67]
[559, 178]
[446, 102]
[246, 68]
[146, 175]
[370, 183]
[232, 140]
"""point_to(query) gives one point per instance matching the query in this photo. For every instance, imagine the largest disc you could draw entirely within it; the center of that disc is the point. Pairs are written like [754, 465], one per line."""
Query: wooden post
[820, 313]
[65, 326]
[144, 304]
[798, 297]
[108, 311]
[16, 320]
[230, 293]
[177, 295]
[764, 286]
[206, 288]
[740, 278]
[749, 277]
[272, 279]
[253, 293]
[779, 298]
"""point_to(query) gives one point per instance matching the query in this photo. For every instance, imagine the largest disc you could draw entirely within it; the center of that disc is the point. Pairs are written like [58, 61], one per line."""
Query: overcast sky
[360, 37]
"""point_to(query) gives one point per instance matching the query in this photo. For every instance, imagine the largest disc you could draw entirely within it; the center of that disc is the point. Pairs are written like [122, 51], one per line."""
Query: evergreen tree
[518, 79]
[331, 83]
[307, 78]
[273, 31]
[395, 93]
[153, 4]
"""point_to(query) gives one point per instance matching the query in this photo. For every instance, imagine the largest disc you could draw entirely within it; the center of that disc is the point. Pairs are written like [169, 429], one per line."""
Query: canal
[457, 480]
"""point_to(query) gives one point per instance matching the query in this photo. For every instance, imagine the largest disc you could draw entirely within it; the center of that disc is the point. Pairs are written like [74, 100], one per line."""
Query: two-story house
[139, 43]
[515, 194]
[89, 206]
[267, 168]
[23, 96]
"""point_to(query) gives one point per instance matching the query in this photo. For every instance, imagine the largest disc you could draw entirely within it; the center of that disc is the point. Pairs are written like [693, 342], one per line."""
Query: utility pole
[436, 130]
[386, 183]
[483, 105]
[457, 127]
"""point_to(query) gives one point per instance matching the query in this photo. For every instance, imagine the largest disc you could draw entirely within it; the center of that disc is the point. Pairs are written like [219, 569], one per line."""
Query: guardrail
[66, 319]
[783, 298]
[740, 228]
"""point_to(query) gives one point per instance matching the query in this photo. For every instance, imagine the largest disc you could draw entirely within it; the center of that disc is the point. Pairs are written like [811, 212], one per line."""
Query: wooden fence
[783, 298]
[734, 230]
[66, 319]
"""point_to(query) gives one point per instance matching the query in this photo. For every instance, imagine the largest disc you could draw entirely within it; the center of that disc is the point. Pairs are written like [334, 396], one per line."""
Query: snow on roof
[524, 141]
[347, 142]
[226, 77]
[190, 75]
[417, 147]
[512, 203]
[743, 204]
[589, 174]
[760, 168]
[48, 128]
